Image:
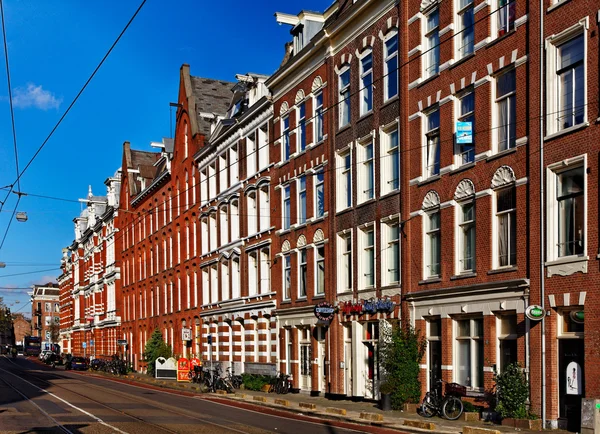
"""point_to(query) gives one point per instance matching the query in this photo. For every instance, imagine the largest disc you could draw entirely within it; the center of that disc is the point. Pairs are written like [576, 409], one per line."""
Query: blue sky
[53, 47]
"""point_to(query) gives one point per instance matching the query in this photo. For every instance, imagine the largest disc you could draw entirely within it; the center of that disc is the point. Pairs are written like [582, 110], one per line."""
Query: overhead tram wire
[20, 173]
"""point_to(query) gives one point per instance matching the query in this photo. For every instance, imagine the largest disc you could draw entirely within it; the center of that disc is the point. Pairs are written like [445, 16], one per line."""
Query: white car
[44, 353]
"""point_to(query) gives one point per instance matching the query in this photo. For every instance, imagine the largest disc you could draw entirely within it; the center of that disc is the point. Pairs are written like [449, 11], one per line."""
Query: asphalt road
[35, 398]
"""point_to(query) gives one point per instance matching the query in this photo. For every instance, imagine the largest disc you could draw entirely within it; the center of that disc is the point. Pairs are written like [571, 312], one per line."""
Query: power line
[29, 272]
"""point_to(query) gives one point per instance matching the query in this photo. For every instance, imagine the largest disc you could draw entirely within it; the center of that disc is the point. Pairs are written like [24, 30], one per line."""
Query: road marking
[97, 419]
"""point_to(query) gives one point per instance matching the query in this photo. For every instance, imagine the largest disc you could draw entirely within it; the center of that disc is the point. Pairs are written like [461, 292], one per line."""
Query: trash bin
[386, 402]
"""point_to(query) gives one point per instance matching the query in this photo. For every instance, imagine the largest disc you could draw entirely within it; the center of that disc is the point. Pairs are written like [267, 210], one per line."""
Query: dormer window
[298, 33]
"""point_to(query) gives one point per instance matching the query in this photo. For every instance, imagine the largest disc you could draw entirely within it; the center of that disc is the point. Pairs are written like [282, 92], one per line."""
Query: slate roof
[212, 96]
[144, 162]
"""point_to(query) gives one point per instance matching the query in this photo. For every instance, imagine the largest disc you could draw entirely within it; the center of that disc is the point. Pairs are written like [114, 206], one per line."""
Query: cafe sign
[534, 312]
[372, 306]
[324, 311]
[577, 316]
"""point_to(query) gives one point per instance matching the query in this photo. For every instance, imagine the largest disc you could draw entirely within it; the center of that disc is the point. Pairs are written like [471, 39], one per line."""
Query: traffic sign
[84, 345]
[91, 343]
[121, 341]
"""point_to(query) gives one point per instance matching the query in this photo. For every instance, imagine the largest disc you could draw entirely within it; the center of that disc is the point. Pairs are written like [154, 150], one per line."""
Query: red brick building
[45, 311]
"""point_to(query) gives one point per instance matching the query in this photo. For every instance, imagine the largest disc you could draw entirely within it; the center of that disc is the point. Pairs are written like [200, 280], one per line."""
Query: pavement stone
[349, 410]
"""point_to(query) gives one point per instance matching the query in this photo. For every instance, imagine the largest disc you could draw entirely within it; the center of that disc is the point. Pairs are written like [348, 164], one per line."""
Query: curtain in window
[503, 228]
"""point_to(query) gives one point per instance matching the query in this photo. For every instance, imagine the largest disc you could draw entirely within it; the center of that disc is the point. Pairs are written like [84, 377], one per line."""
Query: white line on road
[97, 419]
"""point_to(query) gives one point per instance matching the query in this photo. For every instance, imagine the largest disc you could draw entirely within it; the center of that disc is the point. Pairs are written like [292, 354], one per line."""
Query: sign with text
[166, 368]
[121, 341]
[324, 311]
[183, 368]
[574, 380]
[464, 132]
[186, 334]
[534, 312]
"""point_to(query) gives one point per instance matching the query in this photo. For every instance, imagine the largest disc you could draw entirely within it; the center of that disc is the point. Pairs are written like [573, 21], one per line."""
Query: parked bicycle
[213, 381]
[195, 375]
[449, 405]
[235, 380]
[282, 385]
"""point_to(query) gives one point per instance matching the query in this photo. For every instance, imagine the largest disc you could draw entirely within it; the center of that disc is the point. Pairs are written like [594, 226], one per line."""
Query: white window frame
[286, 210]
[302, 256]
[428, 233]
[391, 156]
[344, 98]
[462, 226]
[262, 146]
[252, 214]
[474, 341]
[301, 200]
[504, 20]
[233, 165]
[366, 249]
[318, 259]
[251, 153]
[464, 153]
[287, 277]
[511, 104]
[387, 58]
[463, 32]
[265, 270]
[366, 170]
[430, 166]
[389, 241]
[512, 222]
[431, 44]
[253, 270]
[286, 146]
[344, 180]
[366, 81]
[552, 82]
[345, 264]
[301, 139]
[319, 185]
[318, 126]
[223, 176]
[264, 210]
[553, 172]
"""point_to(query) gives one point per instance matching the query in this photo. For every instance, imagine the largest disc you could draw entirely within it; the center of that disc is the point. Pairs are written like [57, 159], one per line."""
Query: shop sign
[195, 361]
[574, 383]
[183, 368]
[577, 316]
[324, 311]
[186, 334]
[534, 312]
[371, 306]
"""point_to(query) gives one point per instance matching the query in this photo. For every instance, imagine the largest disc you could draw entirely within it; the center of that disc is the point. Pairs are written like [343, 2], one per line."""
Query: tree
[155, 347]
[400, 352]
[54, 330]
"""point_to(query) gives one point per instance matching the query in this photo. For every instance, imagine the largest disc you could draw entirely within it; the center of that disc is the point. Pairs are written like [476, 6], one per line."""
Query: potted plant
[513, 393]
[471, 412]
[385, 391]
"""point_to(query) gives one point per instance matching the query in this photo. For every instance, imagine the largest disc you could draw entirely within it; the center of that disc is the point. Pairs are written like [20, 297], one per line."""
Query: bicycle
[283, 384]
[235, 380]
[195, 374]
[449, 405]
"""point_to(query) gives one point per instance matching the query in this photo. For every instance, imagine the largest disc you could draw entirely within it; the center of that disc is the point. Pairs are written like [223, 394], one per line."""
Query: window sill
[427, 80]
[567, 266]
[389, 101]
[463, 167]
[341, 211]
[303, 298]
[465, 275]
[430, 280]
[509, 269]
[319, 219]
[462, 60]
[501, 154]
[366, 202]
[344, 128]
[365, 115]
[567, 260]
[319, 296]
[500, 38]
[347, 291]
[283, 231]
[283, 302]
[556, 5]
[389, 193]
[366, 289]
[428, 180]
[567, 131]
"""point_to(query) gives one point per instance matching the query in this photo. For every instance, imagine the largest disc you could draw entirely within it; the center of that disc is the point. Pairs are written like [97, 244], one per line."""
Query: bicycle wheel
[228, 387]
[452, 408]
[428, 406]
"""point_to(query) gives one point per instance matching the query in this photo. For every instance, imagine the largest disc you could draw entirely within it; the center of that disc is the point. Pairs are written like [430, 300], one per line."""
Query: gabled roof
[212, 98]
[143, 162]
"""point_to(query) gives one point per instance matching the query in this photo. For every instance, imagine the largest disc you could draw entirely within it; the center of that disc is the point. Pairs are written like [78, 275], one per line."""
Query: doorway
[571, 382]
[435, 353]
[305, 359]
[348, 360]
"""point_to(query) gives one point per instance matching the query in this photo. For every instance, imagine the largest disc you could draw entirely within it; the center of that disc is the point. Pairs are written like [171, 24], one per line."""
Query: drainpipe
[542, 214]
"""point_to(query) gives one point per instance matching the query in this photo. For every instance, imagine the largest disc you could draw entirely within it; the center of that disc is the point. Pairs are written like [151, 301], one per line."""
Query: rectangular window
[345, 262]
[302, 268]
[344, 97]
[366, 83]
[367, 172]
[469, 351]
[344, 193]
[466, 28]
[390, 178]
[265, 271]
[368, 259]
[318, 125]
[507, 340]
[251, 154]
[262, 144]
[223, 178]
[285, 137]
[302, 200]
[432, 44]
[392, 253]
[506, 16]
[571, 85]
[287, 212]
[287, 277]
[506, 86]
[320, 270]
[252, 273]
[570, 198]
[212, 182]
[506, 202]
[319, 194]
[466, 114]
[301, 131]
[467, 237]
[391, 67]
[432, 149]
[433, 253]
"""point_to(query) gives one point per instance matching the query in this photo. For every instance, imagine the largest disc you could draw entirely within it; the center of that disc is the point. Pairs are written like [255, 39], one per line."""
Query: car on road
[77, 364]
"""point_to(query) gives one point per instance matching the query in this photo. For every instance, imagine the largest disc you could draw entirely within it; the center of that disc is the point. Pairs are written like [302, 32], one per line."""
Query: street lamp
[2, 265]
[21, 216]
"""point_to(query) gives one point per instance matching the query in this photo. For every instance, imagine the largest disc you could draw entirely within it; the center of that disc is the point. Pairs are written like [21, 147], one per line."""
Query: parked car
[53, 359]
[77, 364]
[44, 354]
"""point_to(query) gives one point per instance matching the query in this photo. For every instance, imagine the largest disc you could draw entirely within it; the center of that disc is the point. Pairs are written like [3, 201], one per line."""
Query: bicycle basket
[456, 389]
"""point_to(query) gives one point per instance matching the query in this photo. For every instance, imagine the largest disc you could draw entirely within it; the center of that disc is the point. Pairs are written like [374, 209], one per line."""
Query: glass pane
[506, 83]
[435, 328]
[478, 371]
[345, 78]
[570, 182]
[468, 212]
[367, 62]
[467, 103]
[433, 120]
[570, 52]
[508, 325]
[464, 363]
[464, 328]
[432, 20]
[478, 327]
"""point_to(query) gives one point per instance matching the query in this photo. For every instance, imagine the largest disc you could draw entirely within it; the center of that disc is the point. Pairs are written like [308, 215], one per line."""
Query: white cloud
[35, 96]
[43, 280]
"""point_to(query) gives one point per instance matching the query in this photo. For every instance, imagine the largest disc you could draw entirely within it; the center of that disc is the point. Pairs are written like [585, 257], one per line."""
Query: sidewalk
[345, 410]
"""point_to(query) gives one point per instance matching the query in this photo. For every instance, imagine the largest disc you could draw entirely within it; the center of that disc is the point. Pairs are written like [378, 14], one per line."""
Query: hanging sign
[577, 316]
[324, 311]
[574, 383]
[534, 312]
[464, 132]
[195, 361]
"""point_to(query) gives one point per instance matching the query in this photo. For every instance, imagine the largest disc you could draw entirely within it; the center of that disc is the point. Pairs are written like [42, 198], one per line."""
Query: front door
[348, 362]
[322, 367]
[571, 381]
[305, 359]
[435, 354]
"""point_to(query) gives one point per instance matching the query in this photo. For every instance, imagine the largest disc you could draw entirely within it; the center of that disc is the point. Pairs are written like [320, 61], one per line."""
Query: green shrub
[470, 407]
[513, 391]
[155, 347]
[400, 352]
[256, 382]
